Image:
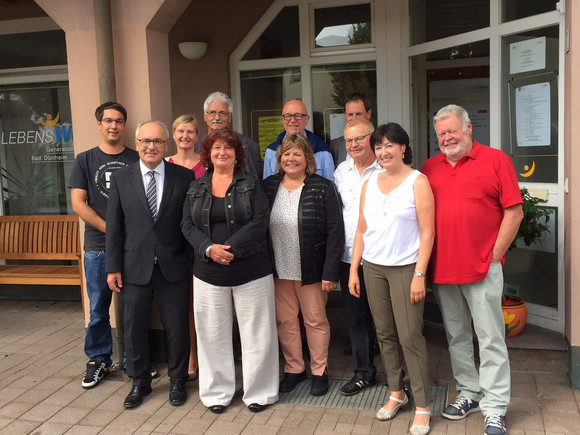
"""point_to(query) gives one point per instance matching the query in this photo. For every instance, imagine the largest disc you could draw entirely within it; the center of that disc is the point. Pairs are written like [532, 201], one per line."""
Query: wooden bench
[40, 238]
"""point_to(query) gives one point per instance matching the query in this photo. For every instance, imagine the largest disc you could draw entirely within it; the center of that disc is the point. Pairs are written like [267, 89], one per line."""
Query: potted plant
[532, 228]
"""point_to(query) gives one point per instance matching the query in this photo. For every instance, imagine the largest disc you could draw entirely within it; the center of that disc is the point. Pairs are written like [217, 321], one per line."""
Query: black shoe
[95, 372]
[356, 385]
[290, 380]
[256, 407]
[217, 409]
[177, 392]
[135, 397]
[319, 385]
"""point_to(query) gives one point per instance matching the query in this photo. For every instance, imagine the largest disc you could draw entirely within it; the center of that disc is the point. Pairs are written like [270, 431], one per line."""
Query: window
[344, 25]
[264, 93]
[32, 49]
[436, 19]
[331, 84]
[280, 39]
[36, 149]
[516, 9]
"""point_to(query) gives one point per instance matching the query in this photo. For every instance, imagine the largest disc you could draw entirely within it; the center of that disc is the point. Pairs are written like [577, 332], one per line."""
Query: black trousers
[172, 299]
[362, 330]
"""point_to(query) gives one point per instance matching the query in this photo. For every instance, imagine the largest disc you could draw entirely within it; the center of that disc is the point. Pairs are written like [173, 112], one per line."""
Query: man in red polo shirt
[477, 215]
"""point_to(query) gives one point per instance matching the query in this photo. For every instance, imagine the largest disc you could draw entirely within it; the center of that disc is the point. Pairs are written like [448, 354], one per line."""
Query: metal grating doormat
[368, 399]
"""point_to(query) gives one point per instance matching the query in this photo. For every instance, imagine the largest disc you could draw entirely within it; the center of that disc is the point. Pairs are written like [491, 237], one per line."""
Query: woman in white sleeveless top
[394, 238]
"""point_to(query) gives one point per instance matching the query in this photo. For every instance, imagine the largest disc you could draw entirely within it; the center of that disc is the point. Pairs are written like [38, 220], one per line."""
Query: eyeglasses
[157, 142]
[110, 121]
[296, 116]
[221, 113]
[358, 140]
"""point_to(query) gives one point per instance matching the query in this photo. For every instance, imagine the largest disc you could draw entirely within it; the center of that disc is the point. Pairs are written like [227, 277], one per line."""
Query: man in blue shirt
[295, 117]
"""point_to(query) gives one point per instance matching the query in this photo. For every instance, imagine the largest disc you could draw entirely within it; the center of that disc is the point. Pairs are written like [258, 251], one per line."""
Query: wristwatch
[419, 274]
[207, 251]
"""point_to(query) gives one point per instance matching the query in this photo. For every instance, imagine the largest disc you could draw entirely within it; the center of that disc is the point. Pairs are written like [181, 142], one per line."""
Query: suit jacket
[338, 150]
[133, 239]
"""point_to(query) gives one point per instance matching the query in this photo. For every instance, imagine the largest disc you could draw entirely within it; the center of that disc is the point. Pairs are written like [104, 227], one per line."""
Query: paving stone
[40, 412]
[20, 427]
[129, 420]
[53, 428]
[14, 409]
[69, 415]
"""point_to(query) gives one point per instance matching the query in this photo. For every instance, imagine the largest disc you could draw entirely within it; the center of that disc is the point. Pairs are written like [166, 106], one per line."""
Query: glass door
[503, 64]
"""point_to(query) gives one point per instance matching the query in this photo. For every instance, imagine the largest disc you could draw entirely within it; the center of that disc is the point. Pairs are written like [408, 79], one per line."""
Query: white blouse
[392, 237]
[284, 233]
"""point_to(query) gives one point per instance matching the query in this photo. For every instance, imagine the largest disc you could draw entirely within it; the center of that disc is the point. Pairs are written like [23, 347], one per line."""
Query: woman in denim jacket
[225, 219]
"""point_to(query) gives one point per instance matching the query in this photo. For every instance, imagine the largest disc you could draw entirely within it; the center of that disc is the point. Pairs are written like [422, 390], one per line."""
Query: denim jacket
[247, 213]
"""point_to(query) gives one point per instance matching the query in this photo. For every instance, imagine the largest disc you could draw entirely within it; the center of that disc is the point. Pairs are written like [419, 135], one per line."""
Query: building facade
[511, 63]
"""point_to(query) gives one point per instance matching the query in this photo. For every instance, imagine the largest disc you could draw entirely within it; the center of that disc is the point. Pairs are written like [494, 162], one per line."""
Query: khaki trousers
[399, 325]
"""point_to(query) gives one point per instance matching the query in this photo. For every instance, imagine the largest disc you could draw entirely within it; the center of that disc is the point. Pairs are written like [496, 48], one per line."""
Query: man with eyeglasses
[356, 105]
[89, 183]
[217, 113]
[147, 258]
[349, 178]
[295, 117]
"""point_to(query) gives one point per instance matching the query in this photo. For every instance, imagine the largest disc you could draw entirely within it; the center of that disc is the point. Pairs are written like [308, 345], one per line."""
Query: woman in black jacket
[225, 219]
[307, 235]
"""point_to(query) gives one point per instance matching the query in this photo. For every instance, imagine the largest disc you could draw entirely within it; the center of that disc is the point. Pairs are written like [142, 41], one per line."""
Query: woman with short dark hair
[394, 238]
[225, 219]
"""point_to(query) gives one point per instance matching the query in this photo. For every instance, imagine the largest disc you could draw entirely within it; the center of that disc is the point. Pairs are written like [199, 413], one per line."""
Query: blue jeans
[98, 341]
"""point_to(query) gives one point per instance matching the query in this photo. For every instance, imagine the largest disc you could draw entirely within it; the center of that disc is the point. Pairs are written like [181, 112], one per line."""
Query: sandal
[420, 430]
[384, 415]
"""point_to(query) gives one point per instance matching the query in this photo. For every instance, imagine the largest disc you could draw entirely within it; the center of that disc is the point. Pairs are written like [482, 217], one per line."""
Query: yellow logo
[51, 123]
[529, 171]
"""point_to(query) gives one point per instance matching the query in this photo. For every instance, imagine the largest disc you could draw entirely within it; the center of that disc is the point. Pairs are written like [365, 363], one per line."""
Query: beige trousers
[291, 299]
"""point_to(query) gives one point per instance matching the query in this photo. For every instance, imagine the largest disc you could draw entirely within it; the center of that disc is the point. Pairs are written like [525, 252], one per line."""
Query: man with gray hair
[478, 210]
[148, 257]
[217, 114]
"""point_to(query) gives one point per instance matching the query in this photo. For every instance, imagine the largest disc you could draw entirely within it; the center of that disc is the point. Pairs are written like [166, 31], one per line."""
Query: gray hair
[220, 96]
[149, 122]
[452, 109]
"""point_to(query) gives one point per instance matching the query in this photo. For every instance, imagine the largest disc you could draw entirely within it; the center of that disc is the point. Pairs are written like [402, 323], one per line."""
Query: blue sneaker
[494, 424]
[460, 408]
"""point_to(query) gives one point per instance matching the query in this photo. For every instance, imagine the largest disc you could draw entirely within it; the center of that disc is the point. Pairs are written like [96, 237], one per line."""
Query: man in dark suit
[147, 257]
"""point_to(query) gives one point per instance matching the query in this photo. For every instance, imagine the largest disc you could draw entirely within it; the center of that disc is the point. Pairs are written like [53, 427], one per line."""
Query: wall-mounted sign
[528, 55]
[533, 115]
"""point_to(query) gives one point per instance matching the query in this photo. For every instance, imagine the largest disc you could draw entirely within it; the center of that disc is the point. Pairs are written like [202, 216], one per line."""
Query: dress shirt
[349, 183]
[159, 179]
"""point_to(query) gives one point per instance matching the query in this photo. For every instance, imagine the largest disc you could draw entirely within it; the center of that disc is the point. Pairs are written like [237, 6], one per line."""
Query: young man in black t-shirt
[89, 183]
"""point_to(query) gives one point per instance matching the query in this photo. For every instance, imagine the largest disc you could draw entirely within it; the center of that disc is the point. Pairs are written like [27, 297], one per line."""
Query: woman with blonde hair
[185, 134]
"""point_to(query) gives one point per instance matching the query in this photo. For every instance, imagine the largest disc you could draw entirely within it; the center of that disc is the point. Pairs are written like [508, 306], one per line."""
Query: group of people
[211, 236]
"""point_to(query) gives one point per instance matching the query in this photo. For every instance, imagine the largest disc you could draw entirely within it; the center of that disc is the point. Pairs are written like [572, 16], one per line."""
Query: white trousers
[214, 307]
[480, 302]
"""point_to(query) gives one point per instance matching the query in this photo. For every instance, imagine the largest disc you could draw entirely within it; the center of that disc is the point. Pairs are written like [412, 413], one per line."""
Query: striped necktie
[152, 195]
